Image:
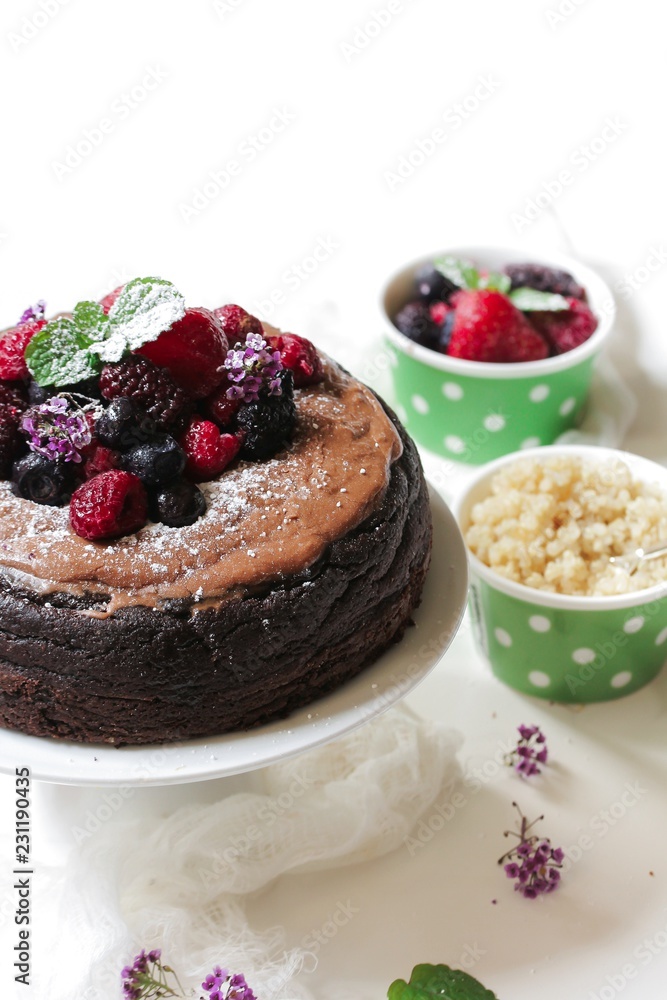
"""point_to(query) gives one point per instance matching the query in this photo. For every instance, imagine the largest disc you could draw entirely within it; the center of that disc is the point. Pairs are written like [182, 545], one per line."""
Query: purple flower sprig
[147, 978]
[222, 985]
[250, 367]
[57, 429]
[533, 862]
[530, 751]
[34, 313]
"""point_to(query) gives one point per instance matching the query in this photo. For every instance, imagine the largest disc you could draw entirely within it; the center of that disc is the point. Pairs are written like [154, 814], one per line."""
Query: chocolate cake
[302, 569]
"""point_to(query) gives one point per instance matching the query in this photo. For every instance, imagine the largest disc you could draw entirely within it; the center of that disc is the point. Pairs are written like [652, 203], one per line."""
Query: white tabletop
[251, 151]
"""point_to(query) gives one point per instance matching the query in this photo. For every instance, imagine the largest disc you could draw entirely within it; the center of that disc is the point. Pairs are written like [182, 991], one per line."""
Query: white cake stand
[366, 696]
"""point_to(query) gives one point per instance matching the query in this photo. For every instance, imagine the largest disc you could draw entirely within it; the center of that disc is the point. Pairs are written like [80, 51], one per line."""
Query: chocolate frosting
[265, 521]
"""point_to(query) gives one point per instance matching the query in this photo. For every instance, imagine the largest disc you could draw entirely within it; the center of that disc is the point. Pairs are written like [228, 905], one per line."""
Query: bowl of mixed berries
[491, 351]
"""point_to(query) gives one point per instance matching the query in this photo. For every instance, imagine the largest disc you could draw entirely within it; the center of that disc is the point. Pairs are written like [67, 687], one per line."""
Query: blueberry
[124, 426]
[36, 478]
[38, 394]
[432, 285]
[414, 320]
[157, 462]
[446, 332]
[177, 505]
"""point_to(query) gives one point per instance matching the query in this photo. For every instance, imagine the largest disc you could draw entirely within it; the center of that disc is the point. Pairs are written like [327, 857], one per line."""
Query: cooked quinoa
[554, 523]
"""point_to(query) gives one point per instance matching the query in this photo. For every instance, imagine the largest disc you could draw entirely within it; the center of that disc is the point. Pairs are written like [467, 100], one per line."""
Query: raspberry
[208, 451]
[220, 409]
[415, 322]
[13, 394]
[147, 386]
[179, 504]
[488, 327]
[37, 478]
[268, 424]
[10, 439]
[432, 285]
[237, 323]
[108, 506]
[193, 350]
[100, 459]
[565, 329]
[12, 349]
[300, 356]
[544, 279]
[109, 299]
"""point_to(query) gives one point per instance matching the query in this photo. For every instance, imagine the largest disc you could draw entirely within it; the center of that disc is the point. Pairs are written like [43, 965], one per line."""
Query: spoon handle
[654, 552]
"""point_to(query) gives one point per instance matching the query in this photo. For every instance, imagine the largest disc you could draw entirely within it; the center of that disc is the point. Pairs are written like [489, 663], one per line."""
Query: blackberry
[152, 388]
[156, 463]
[123, 426]
[10, 439]
[177, 505]
[268, 423]
[432, 285]
[13, 394]
[414, 320]
[545, 279]
[38, 479]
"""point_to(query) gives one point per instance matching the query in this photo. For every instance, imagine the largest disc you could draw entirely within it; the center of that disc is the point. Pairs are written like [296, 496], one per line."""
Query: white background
[358, 99]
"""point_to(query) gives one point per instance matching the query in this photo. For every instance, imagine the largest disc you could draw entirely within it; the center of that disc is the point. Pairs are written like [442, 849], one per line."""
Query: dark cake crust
[148, 676]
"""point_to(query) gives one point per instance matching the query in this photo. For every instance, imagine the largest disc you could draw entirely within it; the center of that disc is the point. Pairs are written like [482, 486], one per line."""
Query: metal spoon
[632, 562]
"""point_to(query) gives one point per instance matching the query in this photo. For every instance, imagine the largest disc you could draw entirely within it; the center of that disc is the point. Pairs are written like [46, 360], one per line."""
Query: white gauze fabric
[178, 881]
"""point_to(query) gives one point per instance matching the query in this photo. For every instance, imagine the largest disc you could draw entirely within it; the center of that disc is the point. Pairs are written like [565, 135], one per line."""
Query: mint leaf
[530, 300]
[60, 354]
[430, 981]
[460, 272]
[143, 310]
[91, 318]
[496, 281]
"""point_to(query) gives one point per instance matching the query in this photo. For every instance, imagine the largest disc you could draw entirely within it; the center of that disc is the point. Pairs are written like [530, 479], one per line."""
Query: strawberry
[109, 299]
[566, 329]
[12, 349]
[208, 451]
[193, 350]
[487, 327]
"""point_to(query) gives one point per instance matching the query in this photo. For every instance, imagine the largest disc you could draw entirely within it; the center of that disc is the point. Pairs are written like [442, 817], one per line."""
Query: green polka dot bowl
[565, 649]
[473, 411]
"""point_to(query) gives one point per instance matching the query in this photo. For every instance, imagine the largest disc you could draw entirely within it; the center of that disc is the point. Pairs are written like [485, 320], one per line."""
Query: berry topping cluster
[122, 407]
[526, 313]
